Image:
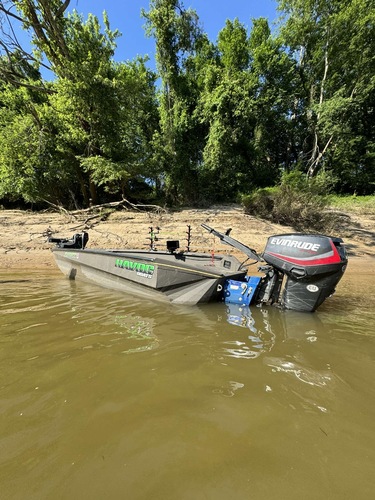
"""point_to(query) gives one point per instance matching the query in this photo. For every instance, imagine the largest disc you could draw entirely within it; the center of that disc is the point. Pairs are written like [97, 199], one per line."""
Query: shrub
[295, 202]
[260, 202]
[322, 184]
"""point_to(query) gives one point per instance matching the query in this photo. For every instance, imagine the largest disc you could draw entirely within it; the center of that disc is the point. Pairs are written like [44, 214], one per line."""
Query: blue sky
[125, 15]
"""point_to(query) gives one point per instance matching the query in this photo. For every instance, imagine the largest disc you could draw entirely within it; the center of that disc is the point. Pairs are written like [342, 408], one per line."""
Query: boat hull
[187, 278]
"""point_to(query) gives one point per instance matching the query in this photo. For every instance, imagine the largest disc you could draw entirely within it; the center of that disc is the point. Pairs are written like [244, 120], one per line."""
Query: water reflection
[292, 367]
[266, 326]
[89, 317]
[249, 346]
[298, 370]
[100, 390]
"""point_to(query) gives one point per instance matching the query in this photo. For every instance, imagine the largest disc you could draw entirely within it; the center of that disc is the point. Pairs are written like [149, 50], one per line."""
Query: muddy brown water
[106, 396]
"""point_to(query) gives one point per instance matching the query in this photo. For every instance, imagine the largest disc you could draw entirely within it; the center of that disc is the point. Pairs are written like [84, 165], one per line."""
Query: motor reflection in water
[250, 345]
[242, 332]
[266, 325]
[287, 344]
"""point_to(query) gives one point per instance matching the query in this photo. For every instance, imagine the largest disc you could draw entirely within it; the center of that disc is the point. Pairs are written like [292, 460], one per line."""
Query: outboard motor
[312, 265]
[301, 271]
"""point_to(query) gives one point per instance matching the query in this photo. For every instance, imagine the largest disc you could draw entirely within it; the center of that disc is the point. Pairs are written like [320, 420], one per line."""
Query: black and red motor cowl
[312, 263]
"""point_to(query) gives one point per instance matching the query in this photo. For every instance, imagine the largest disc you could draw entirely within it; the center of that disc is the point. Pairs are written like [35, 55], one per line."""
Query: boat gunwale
[214, 274]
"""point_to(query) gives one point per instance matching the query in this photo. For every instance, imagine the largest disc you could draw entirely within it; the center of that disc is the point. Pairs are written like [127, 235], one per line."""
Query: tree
[31, 167]
[177, 34]
[333, 44]
[98, 116]
[46, 21]
[275, 103]
[225, 111]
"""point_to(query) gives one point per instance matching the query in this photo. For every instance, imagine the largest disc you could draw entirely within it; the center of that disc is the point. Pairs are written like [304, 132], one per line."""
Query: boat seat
[79, 240]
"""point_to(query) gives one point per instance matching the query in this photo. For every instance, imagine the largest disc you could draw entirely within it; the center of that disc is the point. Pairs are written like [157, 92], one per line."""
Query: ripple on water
[61, 319]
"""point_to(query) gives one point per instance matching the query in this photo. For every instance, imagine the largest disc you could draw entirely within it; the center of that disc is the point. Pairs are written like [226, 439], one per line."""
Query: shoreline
[43, 260]
[24, 235]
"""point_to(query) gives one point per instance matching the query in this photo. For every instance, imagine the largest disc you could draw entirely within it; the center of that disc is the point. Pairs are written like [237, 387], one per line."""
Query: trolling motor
[301, 271]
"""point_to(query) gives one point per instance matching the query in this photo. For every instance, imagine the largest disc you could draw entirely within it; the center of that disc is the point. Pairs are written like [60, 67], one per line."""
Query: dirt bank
[24, 235]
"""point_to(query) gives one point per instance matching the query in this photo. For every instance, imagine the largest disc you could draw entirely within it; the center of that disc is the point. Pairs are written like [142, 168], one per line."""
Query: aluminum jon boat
[299, 270]
[178, 277]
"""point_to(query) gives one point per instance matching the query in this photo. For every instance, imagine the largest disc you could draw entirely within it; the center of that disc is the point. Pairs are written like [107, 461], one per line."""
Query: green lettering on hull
[146, 270]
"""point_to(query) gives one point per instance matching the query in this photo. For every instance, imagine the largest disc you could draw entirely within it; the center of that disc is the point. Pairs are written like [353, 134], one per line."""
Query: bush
[260, 202]
[295, 202]
[322, 184]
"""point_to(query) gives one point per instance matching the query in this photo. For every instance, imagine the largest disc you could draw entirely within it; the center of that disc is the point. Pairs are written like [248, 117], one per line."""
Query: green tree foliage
[274, 101]
[102, 110]
[97, 119]
[297, 201]
[225, 107]
[333, 43]
[177, 34]
[218, 120]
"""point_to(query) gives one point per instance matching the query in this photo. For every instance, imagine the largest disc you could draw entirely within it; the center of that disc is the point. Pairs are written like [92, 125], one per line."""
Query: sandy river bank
[24, 235]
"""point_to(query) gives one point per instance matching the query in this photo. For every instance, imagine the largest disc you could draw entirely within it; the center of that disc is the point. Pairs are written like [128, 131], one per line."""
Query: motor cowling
[313, 264]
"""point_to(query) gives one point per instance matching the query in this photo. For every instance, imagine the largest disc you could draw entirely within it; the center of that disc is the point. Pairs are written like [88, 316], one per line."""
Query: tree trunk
[316, 155]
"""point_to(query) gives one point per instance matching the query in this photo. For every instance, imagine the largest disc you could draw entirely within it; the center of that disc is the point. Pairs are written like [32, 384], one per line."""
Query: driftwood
[100, 211]
[88, 218]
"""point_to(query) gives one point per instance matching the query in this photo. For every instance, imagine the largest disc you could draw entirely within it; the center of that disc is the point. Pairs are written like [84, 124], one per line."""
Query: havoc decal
[71, 255]
[142, 270]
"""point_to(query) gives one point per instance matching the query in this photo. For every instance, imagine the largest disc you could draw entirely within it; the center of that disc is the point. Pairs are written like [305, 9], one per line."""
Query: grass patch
[361, 205]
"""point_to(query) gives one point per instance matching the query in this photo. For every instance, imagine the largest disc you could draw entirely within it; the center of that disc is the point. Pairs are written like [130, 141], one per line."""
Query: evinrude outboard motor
[301, 271]
[312, 265]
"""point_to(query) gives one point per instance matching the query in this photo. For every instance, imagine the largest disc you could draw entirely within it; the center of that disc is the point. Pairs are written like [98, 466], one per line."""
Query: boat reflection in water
[105, 319]
[250, 345]
[266, 325]
[287, 344]
[139, 325]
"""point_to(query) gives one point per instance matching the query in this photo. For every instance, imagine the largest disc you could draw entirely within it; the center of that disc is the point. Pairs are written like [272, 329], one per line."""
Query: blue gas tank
[241, 292]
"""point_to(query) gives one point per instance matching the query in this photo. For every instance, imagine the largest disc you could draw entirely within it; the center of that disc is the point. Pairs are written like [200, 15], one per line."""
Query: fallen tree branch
[110, 205]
